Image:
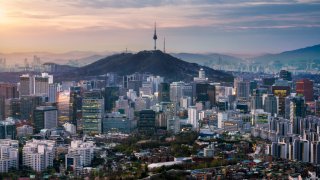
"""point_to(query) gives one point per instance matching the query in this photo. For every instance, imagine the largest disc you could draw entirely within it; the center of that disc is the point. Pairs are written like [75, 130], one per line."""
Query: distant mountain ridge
[294, 57]
[209, 60]
[154, 62]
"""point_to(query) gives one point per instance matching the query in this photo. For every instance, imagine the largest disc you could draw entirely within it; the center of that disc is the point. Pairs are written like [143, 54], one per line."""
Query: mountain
[74, 58]
[208, 59]
[298, 57]
[154, 62]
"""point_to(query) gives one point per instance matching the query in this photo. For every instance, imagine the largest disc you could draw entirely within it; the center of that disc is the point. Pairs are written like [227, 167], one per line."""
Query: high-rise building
[286, 75]
[305, 88]
[281, 92]
[146, 122]
[39, 154]
[176, 91]
[301, 150]
[28, 105]
[63, 106]
[253, 85]
[92, 112]
[297, 107]
[8, 90]
[297, 111]
[193, 117]
[205, 92]
[256, 100]
[8, 129]
[111, 95]
[12, 108]
[317, 108]
[75, 105]
[270, 104]
[164, 92]
[279, 150]
[41, 85]
[53, 93]
[2, 108]
[155, 81]
[243, 90]
[82, 150]
[9, 155]
[315, 152]
[26, 85]
[45, 117]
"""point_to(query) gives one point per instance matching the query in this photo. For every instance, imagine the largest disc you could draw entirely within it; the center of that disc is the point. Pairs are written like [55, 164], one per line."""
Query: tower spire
[155, 37]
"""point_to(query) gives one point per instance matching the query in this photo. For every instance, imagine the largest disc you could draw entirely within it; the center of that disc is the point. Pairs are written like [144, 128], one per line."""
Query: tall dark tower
[155, 37]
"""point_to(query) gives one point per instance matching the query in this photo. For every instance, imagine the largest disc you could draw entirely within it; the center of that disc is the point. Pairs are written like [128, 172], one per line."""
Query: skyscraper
[26, 85]
[111, 95]
[53, 93]
[28, 104]
[256, 100]
[2, 108]
[8, 90]
[297, 111]
[92, 112]
[8, 130]
[281, 92]
[146, 122]
[305, 88]
[164, 92]
[13, 108]
[41, 85]
[75, 103]
[286, 75]
[243, 90]
[270, 104]
[45, 117]
[176, 91]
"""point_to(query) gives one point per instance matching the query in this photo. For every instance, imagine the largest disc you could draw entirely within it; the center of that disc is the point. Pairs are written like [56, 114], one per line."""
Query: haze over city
[159, 89]
[243, 27]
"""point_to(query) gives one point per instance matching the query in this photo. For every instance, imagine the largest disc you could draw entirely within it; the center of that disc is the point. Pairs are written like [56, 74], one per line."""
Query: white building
[39, 154]
[185, 102]
[155, 80]
[201, 77]
[193, 116]
[222, 117]
[176, 91]
[71, 128]
[24, 130]
[209, 151]
[9, 155]
[83, 149]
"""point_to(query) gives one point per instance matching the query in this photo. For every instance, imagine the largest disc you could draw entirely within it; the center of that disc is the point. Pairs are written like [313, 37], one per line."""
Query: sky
[229, 26]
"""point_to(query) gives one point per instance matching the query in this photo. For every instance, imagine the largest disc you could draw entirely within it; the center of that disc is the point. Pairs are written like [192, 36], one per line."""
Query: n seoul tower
[155, 37]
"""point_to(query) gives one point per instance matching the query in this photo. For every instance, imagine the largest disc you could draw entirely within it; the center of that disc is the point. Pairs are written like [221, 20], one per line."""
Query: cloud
[191, 18]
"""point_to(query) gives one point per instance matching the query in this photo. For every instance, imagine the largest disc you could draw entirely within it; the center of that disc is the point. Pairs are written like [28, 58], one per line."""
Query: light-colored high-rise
[39, 154]
[9, 156]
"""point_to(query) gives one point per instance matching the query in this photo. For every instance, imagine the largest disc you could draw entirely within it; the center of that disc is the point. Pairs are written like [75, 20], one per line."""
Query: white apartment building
[39, 154]
[9, 155]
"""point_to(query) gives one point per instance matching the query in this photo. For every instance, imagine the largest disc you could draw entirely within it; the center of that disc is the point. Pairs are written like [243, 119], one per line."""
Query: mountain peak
[155, 62]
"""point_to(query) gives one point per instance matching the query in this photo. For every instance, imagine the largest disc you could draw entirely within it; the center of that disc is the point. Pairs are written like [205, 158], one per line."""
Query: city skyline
[251, 27]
